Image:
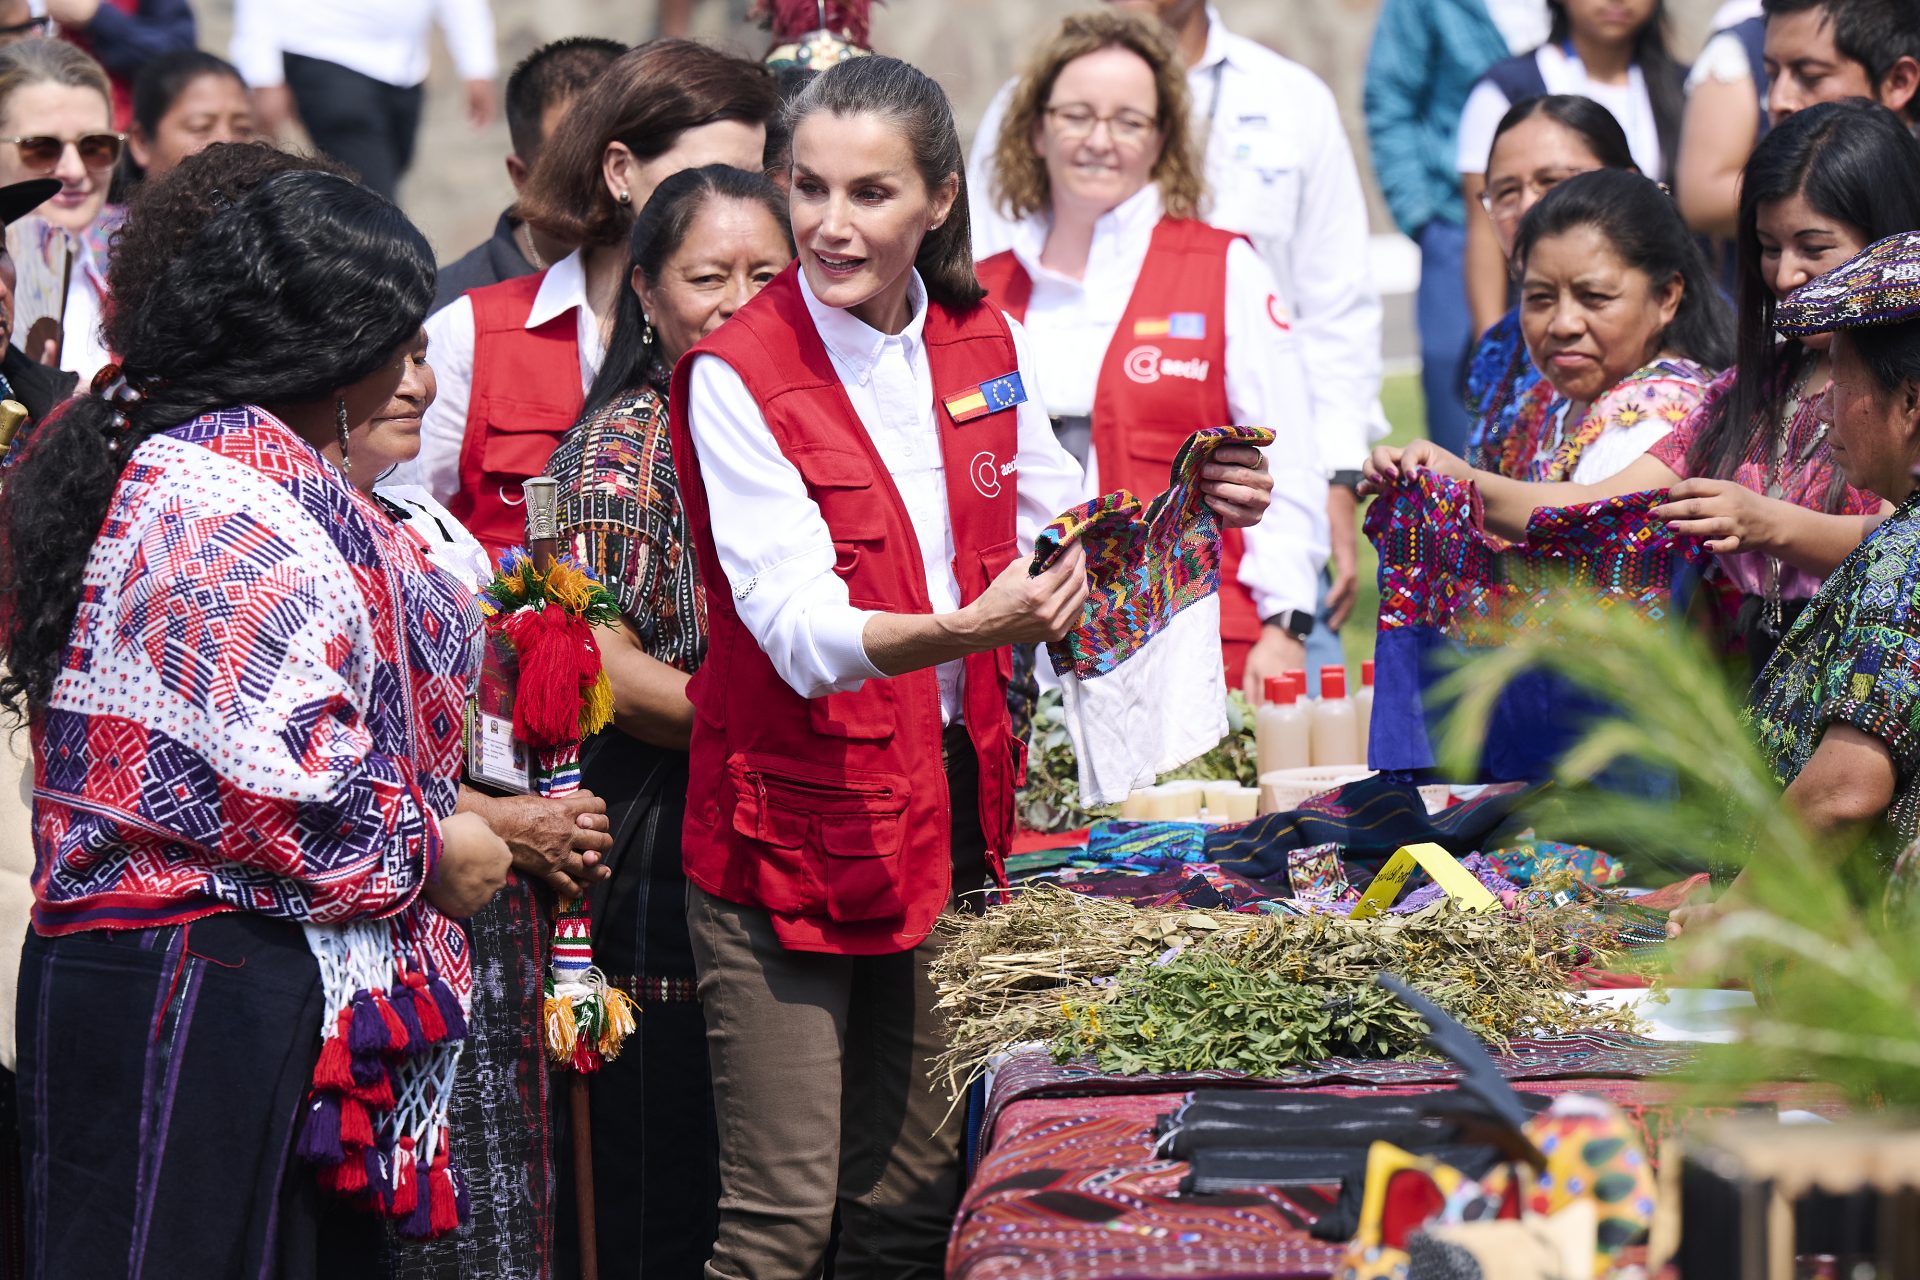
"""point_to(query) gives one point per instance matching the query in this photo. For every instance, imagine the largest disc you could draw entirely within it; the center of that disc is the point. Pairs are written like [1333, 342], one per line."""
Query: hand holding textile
[1020, 609]
[1237, 485]
[1389, 463]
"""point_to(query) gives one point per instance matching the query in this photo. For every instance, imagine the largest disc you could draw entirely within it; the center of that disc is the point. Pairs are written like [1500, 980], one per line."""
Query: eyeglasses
[1503, 201]
[41, 26]
[43, 150]
[1075, 121]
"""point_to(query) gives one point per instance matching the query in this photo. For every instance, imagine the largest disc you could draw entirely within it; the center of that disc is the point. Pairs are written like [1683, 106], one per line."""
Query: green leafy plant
[1838, 971]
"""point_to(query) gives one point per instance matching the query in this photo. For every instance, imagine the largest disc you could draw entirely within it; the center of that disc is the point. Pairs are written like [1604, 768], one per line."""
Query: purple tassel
[418, 1225]
[461, 1204]
[449, 1008]
[367, 1068]
[379, 1190]
[367, 1034]
[320, 1131]
[402, 1006]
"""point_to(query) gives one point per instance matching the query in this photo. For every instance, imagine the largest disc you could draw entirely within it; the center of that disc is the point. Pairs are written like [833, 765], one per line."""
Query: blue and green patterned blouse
[1853, 658]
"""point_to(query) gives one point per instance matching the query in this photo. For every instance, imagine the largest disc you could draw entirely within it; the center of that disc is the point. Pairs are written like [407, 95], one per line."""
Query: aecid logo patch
[1147, 365]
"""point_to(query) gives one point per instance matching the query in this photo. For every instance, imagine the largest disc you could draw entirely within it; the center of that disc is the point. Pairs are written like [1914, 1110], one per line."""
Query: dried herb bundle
[1051, 960]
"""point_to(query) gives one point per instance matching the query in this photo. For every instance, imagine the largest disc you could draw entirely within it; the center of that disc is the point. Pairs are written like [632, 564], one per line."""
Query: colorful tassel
[451, 1015]
[320, 1141]
[356, 1126]
[406, 1180]
[368, 1034]
[426, 1009]
[587, 1018]
[334, 1070]
[396, 1029]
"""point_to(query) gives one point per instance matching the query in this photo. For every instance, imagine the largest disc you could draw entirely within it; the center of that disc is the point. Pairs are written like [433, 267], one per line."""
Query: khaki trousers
[820, 1079]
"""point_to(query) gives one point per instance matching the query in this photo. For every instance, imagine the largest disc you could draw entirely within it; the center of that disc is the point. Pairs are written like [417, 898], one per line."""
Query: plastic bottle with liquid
[1363, 708]
[1280, 729]
[1335, 737]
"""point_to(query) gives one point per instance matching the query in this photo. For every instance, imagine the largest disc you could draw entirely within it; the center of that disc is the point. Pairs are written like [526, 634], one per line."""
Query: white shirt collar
[1219, 42]
[562, 289]
[1119, 234]
[854, 342]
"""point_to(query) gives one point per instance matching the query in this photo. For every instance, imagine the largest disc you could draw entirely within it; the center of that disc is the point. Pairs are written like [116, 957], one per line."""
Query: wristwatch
[1297, 623]
[1346, 479]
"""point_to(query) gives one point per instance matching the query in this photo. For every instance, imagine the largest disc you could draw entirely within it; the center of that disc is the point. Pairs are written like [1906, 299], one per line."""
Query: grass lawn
[1407, 415]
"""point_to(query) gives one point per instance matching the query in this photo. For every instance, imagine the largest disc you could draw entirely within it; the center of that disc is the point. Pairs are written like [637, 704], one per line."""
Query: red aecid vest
[832, 813]
[1158, 387]
[526, 393]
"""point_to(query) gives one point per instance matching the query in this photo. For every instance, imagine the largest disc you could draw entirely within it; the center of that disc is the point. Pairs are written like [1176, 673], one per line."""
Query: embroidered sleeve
[1673, 448]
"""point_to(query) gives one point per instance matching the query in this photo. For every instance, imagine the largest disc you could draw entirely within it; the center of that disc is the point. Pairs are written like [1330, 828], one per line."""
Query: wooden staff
[543, 544]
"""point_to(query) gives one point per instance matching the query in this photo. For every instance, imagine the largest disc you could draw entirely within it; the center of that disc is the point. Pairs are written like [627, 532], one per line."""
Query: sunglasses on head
[43, 151]
[42, 26]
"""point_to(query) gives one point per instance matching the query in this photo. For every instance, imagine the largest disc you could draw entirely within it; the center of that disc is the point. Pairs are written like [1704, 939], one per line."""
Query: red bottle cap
[1296, 681]
[1279, 690]
[1366, 673]
[1333, 682]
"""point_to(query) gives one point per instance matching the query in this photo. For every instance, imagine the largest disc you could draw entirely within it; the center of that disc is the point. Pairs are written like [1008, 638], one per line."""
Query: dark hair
[552, 73]
[1854, 161]
[1874, 33]
[788, 83]
[166, 213]
[1666, 78]
[1598, 131]
[303, 287]
[915, 104]
[658, 233]
[1639, 220]
[1891, 352]
[644, 100]
[162, 81]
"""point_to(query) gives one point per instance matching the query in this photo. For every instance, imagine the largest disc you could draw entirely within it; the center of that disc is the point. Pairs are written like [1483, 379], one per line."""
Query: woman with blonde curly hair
[1148, 324]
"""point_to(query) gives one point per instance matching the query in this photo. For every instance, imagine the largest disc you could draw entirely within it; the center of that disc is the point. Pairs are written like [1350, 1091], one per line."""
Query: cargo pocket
[854, 819]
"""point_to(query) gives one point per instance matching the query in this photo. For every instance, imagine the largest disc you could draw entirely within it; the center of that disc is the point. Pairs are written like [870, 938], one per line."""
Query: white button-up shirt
[1280, 171]
[1071, 323]
[383, 39]
[772, 542]
[450, 340]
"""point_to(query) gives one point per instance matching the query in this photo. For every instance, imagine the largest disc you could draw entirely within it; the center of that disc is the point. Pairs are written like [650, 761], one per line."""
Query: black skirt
[655, 1147]
[161, 1078]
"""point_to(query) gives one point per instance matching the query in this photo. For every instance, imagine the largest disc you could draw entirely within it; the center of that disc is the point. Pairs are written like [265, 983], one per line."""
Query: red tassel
[557, 661]
[426, 1009]
[348, 1178]
[446, 1215]
[406, 1179]
[586, 1058]
[396, 1029]
[334, 1070]
[378, 1096]
[791, 18]
[356, 1127]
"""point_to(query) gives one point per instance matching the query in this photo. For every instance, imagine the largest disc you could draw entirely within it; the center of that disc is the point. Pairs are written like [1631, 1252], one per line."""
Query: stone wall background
[458, 184]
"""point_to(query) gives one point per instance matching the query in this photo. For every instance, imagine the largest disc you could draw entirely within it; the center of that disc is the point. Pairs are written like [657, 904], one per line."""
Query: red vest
[1159, 383]
[525, 394]
[832, 813]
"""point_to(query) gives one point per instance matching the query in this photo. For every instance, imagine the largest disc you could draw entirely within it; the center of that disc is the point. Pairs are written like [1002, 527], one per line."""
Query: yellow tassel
[561, 1033]
[571, 588]
[621, 1020]
[596, 708]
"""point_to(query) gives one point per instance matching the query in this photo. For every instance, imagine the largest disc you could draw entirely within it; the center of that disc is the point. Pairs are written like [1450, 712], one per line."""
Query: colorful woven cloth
[1143, 686]
[1445, 587]
[1368, 820]
[261, 711]
[1499, 377]
[1642, 407]
[1853, 658]
[1120, 841]
[1879, 285]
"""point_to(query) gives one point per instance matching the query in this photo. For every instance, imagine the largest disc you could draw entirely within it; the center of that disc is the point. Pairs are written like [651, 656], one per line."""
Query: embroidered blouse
[1849, 659]
[620, 499]
[1498, 380]
[1805, 475]
[1618, 427]
[261, 702]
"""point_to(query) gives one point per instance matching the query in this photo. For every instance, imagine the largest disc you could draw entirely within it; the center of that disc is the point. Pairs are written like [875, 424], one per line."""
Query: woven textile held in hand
[1143, 688]
[1445, 584]
[1438, 569]
[1144, 563]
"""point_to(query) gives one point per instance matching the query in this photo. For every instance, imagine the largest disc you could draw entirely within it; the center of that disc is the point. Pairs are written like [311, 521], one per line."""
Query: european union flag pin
[1003, 392]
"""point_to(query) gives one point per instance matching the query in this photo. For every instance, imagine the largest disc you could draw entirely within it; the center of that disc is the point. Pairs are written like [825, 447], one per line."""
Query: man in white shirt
[354, 70]
[1279, 170]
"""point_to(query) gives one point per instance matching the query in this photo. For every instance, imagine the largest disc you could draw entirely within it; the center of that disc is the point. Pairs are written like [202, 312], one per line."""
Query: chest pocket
[1257, 178]
[520, 439]
[840, 482]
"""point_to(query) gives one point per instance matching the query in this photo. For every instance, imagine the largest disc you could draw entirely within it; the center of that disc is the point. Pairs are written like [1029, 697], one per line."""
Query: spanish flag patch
[1181, 324]
[992, 396]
